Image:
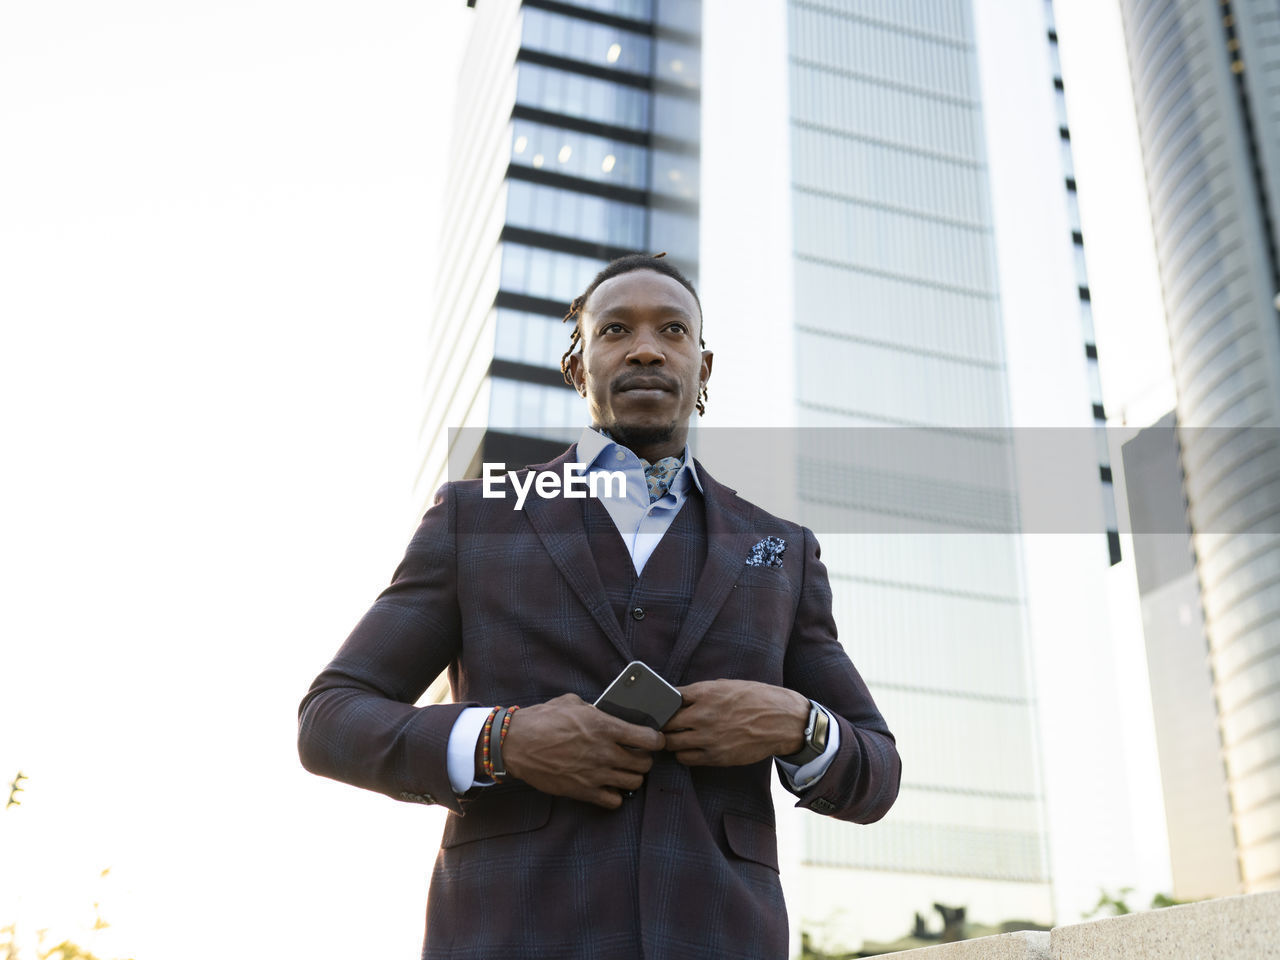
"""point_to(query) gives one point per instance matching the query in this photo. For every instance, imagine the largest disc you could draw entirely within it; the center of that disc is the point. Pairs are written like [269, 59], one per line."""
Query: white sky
[217, 231]
[217, 235]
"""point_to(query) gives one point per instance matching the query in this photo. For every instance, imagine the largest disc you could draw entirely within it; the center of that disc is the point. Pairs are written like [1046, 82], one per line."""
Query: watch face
[822, 725]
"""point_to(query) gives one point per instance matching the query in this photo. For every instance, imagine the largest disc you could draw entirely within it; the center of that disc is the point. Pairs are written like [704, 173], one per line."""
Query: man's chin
[641, 435]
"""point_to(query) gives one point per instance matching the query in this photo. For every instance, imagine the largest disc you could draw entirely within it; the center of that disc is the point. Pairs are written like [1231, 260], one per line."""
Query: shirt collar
[596, 451]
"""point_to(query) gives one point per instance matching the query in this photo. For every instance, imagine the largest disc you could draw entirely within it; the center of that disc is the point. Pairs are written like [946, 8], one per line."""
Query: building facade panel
[859, 170]
[876, 111]
[949, 392]
[952, 323]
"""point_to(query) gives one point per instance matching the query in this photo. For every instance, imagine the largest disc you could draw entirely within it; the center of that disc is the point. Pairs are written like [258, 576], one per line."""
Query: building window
[581, 216]
[531, 338]
[586, 42]
[584, 155]
[631, 9]
[588, 98]
[546, 274]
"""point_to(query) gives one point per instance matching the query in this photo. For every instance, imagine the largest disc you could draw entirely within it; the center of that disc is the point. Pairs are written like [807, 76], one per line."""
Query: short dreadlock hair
[633, 261]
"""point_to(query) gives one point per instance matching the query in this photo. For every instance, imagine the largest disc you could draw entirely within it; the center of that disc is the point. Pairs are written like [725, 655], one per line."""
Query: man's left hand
[731, 723]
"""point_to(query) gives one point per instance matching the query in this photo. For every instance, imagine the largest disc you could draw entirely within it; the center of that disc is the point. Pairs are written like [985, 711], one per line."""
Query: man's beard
[634, 437]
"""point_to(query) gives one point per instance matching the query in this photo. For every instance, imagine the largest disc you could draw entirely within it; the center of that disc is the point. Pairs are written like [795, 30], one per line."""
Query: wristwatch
[815, 738]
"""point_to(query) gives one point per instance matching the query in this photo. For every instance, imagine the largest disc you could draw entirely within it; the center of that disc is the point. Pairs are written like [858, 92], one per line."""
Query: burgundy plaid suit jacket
[511, 604]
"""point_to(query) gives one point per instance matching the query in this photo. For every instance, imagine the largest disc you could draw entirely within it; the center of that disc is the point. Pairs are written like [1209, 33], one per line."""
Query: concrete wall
[1023, 945]
[1233, 928]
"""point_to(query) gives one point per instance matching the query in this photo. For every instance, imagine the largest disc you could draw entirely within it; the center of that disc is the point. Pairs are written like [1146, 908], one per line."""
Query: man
[608, 839]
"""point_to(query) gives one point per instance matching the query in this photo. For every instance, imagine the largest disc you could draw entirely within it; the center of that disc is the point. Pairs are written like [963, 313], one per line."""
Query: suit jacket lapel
[558, 523]
[729, 540]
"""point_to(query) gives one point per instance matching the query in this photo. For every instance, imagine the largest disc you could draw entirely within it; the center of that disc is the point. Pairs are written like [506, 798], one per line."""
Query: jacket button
[638, 613]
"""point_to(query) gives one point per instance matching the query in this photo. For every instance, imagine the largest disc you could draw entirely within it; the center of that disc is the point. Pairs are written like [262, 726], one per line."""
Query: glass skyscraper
[1205, 79]
[576, 141]
[891, 212]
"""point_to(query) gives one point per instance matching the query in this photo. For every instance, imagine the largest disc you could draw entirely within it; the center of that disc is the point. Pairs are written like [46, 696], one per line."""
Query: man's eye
[678, 327]
[612, 328]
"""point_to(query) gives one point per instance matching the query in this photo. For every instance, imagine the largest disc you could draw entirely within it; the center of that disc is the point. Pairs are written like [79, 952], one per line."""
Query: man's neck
[650, 452]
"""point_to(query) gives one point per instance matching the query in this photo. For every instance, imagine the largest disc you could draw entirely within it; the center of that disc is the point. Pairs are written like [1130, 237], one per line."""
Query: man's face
[641, 368]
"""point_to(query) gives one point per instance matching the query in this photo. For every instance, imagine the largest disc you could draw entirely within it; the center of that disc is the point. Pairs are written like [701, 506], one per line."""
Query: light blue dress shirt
[640, 522]
[641, 525]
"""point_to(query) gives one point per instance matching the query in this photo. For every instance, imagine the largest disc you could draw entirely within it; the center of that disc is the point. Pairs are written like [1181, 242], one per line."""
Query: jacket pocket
[506, 811]
[751, 839]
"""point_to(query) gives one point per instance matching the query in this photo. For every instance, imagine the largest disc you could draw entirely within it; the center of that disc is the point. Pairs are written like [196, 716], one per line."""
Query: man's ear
[577, 375]
[705, 373]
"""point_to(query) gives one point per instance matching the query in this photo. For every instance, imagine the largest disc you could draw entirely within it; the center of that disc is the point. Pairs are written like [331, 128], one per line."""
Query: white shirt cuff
[811, 772]
[462, 749]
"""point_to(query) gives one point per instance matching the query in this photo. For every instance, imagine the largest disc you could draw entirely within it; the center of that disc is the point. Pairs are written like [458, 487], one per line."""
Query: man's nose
[645, 351]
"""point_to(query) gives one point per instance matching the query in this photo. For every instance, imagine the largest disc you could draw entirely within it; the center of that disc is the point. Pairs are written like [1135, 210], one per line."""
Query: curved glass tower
[1205, 75]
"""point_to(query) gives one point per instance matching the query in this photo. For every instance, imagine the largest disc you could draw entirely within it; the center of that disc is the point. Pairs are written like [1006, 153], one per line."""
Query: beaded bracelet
[485, 762]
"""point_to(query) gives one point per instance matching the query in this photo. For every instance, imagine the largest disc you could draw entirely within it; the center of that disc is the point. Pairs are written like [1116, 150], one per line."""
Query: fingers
[685, 740]
[679, 721]
[692, 691]
[610, 728]
[710, 690]
[609, 796]
[704, 702]
[609, 799]
[603, 787]
[636, 736]
[632, 761]
[628, 781]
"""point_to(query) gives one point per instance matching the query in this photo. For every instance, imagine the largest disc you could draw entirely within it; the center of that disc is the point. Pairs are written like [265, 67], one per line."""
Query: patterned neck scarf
[659, 475]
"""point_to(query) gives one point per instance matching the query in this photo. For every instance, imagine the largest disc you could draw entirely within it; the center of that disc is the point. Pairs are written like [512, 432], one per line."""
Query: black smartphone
[639, 695]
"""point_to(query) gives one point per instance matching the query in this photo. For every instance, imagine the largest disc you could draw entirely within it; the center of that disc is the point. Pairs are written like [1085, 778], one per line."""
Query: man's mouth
[645, 385]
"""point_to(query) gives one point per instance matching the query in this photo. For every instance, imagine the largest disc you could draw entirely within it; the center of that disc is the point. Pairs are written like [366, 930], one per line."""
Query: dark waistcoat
[650, 607]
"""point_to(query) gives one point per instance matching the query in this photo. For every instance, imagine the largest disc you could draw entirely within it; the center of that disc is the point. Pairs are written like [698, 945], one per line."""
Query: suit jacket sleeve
[358, 722]
[862, 781]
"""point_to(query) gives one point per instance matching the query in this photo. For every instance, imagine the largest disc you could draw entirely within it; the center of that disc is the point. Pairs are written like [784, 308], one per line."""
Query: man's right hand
[569, 748]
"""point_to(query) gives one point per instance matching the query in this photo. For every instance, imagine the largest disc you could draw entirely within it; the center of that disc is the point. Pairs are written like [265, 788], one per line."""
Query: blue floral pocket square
[767, 553]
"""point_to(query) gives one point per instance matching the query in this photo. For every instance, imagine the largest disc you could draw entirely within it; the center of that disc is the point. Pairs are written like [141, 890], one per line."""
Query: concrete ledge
[1021, 945]
[1233, 928]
